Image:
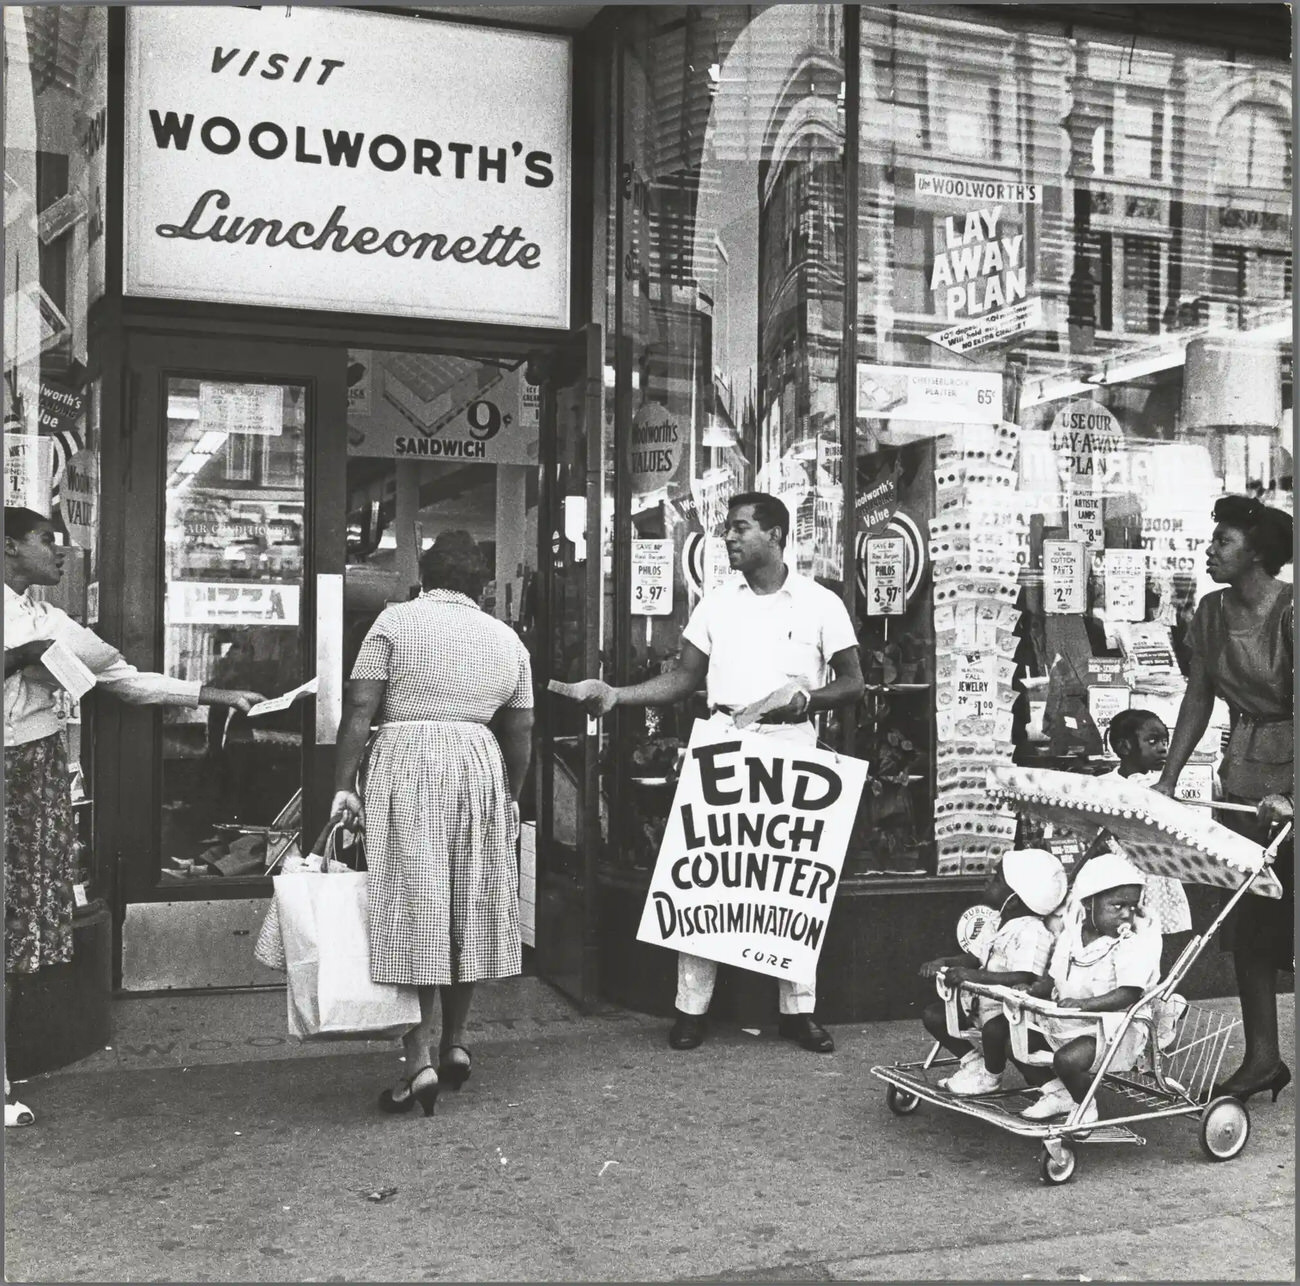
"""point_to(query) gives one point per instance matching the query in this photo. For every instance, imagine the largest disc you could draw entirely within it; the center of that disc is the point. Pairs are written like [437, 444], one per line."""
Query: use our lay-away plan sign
[751, 854]
[327, 158]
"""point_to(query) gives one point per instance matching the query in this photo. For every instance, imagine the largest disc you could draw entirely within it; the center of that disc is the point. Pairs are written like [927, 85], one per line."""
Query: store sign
[1105, 701]
[29, 468]
[1089, 446]
[657, 442]
[979, 270]
[1125, 573]
[961, 187]
[752, 850]
[302, 157]
[652, 578]
[60, 409]
[1065, 578]
[932, 394]
[993, 328]
[79, 499]
[208, 603]
[241, 408]
[1086, 522]
[484, 417]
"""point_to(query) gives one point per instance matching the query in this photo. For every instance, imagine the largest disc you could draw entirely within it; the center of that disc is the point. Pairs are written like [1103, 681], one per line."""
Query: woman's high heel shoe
[450, 1073]
[425, 1095]
[1276, 1081]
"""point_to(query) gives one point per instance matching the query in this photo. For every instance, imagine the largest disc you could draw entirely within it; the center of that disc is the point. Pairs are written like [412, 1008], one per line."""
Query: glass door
[232, 456]
[234, 581]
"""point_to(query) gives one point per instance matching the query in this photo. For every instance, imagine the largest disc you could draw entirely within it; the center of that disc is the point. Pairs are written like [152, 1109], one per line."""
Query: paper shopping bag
[269, 948]
[327, 962]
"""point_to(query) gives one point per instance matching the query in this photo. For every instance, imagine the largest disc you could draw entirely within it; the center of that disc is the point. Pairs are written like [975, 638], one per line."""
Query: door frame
[185, 339]
[132, 578]
[578, 365]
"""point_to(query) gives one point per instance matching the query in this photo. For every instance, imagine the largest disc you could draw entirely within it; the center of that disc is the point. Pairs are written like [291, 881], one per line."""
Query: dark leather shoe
[800, 1027]
[687, 1032]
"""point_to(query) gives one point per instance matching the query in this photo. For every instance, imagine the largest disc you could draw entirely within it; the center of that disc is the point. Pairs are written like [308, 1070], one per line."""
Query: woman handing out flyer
[40, 860]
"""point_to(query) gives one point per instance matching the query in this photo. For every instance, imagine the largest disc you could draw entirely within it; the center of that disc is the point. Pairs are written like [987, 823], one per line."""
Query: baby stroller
[1180, 1064]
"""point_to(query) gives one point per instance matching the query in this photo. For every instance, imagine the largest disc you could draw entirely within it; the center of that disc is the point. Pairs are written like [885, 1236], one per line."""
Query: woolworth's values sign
[327, 158]
[752, 850]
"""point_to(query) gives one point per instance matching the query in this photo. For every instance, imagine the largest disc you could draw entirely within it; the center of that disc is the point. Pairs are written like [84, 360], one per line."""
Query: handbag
[321, 922]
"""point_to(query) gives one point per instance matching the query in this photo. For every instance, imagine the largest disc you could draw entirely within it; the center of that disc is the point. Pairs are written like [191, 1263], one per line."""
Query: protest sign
[751, 855]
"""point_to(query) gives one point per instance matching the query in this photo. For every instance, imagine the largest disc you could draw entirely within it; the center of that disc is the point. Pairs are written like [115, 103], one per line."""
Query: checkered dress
[440, 840]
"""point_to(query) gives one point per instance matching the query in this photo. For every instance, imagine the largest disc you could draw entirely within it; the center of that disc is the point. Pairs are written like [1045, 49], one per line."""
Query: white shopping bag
[322, 923]
[269, 948]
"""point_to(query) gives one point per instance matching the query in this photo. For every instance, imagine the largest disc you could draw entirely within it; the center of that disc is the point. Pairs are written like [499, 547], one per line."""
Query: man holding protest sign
[774, 648]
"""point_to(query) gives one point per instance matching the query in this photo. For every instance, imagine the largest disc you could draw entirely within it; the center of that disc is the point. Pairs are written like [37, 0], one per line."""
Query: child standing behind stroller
[1141, 740]
[1108, 954]
[1027, 885]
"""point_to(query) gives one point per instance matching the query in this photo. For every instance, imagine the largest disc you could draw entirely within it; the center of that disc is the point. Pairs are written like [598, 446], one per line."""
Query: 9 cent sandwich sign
[350, 161]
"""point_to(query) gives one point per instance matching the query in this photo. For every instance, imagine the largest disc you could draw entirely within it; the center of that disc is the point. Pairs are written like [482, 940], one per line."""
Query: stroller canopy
[1159, 835]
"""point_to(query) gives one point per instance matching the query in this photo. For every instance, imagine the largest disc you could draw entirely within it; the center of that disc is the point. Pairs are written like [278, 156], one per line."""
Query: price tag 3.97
[886, 558]
[652, 578]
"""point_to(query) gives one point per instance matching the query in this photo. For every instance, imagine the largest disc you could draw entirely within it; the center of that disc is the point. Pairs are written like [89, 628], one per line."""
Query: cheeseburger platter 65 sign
[361, 162]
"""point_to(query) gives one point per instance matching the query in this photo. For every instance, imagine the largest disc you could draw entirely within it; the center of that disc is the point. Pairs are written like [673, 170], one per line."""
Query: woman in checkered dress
[440, 812]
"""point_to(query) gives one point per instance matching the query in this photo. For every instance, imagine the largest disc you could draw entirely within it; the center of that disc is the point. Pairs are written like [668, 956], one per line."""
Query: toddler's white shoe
[1055, 1100]
[965, 1061]
[18, 1114]
[1090, 1114]
[972, 1080]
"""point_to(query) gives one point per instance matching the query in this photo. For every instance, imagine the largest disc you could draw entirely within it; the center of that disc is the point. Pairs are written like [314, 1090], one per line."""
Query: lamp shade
[1231, 382]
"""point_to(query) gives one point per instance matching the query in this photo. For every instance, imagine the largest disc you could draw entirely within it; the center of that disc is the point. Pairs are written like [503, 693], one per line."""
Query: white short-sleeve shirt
[756, 643]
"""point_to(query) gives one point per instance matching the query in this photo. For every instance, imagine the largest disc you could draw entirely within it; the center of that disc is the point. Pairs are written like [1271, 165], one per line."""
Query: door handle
[329, 657]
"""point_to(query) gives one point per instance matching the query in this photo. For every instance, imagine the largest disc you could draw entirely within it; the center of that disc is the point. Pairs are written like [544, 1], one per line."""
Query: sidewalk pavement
[204, 1146]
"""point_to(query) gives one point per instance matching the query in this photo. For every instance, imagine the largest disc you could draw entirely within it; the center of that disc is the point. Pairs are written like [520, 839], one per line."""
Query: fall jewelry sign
[752, 851]
[338, 159]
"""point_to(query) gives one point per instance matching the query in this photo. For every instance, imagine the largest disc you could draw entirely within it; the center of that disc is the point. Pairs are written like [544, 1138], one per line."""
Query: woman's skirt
[40, 856]
[440, 849]
[1264, 927]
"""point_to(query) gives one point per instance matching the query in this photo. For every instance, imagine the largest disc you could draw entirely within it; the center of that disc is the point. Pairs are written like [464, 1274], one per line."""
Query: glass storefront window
[1096, 228]
[725, 294]
[1067, 240]
[234, 544]
[55, 113]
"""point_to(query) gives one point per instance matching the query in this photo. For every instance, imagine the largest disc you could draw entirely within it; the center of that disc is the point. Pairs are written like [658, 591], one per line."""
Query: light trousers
[696, 976]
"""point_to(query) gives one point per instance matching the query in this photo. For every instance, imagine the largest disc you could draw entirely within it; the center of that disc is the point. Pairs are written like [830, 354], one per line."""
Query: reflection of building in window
[1139, 134]
[971, 111]
[1254, 149]
[902, 84]
[913, 254]
[1243, 279]
[1143, 293]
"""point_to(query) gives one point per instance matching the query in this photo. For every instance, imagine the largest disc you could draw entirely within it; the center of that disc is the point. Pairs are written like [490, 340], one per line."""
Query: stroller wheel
[1051, 1170]
[901, 1103]
[1225, 1127]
